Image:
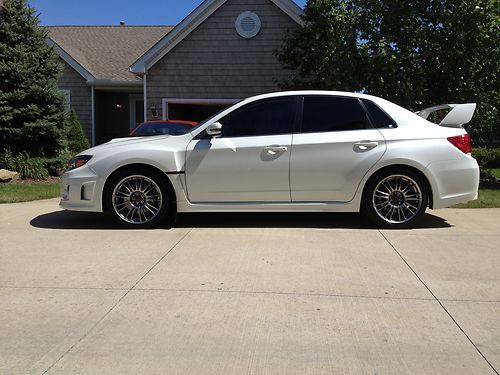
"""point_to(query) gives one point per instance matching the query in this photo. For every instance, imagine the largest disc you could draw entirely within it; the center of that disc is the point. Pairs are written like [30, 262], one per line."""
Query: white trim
[71, 61]
[132, 99]
[145, 93]
[166, 101]
[113, 84]
[291, 9]
[191, 22]
[93, 115]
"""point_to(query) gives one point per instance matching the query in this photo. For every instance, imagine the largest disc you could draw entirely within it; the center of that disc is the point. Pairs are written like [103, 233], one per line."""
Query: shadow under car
[99, 221]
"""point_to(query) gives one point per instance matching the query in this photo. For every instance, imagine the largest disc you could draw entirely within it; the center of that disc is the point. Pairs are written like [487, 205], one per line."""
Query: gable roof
[104, 53]
[191, 22]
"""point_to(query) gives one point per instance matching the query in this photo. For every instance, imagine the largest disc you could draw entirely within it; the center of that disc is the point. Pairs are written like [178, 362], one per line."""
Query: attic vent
[248, 25]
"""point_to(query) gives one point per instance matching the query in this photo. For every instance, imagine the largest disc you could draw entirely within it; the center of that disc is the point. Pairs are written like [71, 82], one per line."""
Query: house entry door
[136, 110]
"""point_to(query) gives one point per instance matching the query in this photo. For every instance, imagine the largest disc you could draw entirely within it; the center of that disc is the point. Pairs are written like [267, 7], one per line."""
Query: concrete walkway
[248, 294]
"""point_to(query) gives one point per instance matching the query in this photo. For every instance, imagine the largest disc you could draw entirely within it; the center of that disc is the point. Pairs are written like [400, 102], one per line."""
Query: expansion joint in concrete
[117, 303]
[439, 301]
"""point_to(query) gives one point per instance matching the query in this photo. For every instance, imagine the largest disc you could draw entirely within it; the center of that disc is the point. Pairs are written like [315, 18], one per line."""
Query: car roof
[312, 92]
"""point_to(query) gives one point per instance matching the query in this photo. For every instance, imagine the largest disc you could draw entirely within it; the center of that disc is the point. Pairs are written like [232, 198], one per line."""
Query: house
[116, 76]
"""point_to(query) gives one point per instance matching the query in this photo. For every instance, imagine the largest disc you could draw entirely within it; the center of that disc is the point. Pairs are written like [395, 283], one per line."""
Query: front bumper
[453, 181]
[81, 190]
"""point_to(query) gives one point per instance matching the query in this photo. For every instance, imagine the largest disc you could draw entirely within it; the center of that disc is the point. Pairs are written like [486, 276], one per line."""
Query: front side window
[332, 113]
[264, 117]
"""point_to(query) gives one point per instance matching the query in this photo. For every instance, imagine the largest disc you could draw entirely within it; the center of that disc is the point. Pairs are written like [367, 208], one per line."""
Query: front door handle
[275, 149]
[365, 145]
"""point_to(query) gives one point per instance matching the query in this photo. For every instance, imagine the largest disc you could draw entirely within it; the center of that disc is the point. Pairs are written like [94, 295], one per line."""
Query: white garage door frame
[166, 101]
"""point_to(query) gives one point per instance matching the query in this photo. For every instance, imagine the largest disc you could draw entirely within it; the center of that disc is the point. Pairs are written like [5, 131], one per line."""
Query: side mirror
[214, 129]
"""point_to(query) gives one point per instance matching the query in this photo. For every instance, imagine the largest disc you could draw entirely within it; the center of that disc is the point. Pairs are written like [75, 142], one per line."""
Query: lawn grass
[488, 198]
[12, 193]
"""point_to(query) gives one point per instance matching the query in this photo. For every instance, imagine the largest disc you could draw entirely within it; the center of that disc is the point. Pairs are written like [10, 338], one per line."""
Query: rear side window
[379, 118]
[332, 113]
[264, 117]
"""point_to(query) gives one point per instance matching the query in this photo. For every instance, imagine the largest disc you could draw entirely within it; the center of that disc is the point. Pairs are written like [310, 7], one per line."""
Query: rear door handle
[365, 145]
[275, 149]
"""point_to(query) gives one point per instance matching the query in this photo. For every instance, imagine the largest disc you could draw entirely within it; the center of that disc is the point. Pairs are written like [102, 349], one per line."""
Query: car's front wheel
[138, 199]
[395, 198]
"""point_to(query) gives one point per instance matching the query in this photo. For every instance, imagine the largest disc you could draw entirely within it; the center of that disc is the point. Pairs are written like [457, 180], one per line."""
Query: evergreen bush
[57, 165]
[77, 141]
[31, 104]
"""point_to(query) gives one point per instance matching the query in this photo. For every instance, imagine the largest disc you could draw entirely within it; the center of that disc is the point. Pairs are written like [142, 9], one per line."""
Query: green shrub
[56, 165]
[30, 167]
[7, 160]
[77, 141]
[487, 157]
[24, 165]
[495, 163]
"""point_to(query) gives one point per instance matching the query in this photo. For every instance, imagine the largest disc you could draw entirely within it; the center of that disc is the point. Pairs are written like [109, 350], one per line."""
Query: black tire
[138, 198]
[395, 198]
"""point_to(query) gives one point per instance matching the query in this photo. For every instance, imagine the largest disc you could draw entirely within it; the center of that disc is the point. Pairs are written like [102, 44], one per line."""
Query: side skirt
[269, 207]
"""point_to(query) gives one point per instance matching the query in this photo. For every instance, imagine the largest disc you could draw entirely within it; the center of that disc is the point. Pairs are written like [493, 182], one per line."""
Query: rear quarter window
[378, 117]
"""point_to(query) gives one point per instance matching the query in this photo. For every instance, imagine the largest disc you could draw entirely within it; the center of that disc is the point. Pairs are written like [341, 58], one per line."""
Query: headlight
[78, 162]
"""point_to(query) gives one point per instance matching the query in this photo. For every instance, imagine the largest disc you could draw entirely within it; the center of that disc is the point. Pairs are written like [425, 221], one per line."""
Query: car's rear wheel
[395, 198]
[138, 199]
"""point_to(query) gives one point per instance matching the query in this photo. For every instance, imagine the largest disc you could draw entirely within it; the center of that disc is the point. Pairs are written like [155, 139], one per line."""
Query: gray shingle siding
[81, 100]
[214, 62]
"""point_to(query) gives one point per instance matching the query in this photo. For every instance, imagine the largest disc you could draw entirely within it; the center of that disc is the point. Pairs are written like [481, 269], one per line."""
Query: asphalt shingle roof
[107, 51]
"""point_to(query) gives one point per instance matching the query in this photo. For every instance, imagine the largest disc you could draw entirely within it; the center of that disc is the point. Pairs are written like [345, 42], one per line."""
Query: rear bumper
[81, 190]
[453, 181]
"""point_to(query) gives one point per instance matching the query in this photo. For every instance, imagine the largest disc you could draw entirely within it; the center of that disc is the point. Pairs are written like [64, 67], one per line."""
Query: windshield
[162, 128]
[208, 119]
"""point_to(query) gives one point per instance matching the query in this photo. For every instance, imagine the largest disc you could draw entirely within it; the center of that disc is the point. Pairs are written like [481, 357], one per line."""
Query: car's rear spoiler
[459, 114]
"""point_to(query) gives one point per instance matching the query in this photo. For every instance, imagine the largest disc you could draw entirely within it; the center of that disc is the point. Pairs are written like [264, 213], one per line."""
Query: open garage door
[194, 109]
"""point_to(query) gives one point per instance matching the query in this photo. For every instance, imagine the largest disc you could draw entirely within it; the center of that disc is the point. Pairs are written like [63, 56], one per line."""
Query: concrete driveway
[248, 294]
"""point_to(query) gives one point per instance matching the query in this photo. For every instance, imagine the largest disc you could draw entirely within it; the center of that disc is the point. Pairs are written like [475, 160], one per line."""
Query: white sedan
[291, 151]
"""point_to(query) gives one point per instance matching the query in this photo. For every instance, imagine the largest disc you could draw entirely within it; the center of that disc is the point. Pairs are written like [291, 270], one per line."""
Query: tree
[31, 105]
[77, 141]
[416, 53]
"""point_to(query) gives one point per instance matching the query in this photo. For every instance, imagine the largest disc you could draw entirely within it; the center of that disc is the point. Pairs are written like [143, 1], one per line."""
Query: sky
[111, 12]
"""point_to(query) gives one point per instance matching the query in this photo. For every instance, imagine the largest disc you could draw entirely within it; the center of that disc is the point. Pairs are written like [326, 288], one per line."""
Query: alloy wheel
[137, 199]
[397, 199]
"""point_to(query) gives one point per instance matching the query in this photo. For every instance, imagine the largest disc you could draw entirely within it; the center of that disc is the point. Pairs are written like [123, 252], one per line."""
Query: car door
[335, 148]
[250, 161]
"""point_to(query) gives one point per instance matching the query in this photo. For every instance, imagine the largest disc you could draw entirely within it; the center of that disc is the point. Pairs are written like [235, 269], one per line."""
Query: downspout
[93, 114]
[144, 80]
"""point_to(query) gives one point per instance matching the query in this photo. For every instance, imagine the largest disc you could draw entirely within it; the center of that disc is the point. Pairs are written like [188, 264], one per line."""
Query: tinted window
[332, 113]
[379, 118]
[265, 117]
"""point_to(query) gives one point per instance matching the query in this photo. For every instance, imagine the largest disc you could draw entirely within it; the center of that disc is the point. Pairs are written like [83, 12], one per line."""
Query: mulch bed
[489, 183]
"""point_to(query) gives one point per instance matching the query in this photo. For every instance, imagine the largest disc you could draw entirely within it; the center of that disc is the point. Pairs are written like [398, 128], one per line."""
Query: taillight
[462, 142]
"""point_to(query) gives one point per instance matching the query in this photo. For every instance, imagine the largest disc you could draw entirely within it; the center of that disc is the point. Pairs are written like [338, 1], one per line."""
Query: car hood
[118, 143]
